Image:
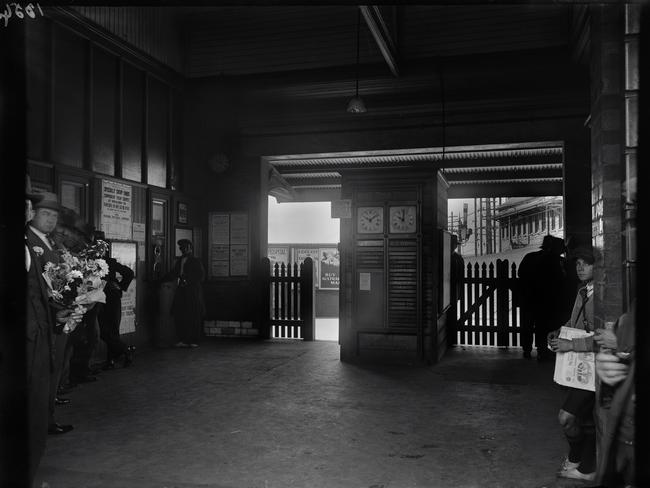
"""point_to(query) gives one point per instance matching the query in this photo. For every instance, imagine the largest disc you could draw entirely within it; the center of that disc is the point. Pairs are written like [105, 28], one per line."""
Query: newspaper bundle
[575, 369]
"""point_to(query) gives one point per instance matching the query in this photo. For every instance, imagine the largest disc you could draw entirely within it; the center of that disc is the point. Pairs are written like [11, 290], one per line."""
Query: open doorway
[504, 228]
[306, 229]
[494, 235]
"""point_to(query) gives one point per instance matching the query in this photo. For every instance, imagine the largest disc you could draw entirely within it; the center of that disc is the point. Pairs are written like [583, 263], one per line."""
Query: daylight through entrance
[493, 236]
[300, 230]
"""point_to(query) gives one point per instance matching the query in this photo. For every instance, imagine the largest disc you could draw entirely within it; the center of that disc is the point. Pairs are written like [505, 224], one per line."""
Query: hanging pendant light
[356, 105]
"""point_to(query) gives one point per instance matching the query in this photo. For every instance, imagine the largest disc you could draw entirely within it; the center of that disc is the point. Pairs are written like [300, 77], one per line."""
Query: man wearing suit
[188, 307]
[46, 212]
[39, 354]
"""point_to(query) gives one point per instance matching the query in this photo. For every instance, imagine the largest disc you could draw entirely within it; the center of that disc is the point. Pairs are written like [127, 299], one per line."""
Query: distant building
[524, 221]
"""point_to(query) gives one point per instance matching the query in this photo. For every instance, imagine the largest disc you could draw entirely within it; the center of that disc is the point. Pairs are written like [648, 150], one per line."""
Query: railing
[487, 310]
[289, 300]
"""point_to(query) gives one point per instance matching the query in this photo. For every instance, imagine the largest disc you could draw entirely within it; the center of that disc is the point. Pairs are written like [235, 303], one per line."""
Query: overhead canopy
[495, 170]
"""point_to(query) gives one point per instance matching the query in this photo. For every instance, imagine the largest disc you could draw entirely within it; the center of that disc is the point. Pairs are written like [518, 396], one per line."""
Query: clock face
[370, 220]
[403, 219]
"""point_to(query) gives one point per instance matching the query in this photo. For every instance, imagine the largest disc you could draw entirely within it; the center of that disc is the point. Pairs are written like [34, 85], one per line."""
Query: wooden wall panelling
[103, 111]
[88, 105]
[37, 85]
[177, 140]
[132, 121]
[150, 30]
[157, 133]
[171, 170]
[119, 113]
[42, 175]
[68, 90]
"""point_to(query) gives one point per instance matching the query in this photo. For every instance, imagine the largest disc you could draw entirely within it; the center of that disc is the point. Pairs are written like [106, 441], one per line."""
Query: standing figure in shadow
[118, 279]
[542, 278]
[188, 307]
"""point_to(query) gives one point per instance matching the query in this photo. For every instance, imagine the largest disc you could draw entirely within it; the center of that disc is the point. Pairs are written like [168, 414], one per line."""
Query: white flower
[38, 251]
[103, 267]
[75, 273]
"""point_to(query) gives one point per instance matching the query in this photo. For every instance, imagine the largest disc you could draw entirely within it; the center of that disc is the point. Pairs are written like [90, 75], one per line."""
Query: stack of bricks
[229, 328]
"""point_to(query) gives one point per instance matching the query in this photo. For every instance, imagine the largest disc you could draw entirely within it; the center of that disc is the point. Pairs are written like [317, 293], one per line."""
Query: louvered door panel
[402, 283]
[370, 257]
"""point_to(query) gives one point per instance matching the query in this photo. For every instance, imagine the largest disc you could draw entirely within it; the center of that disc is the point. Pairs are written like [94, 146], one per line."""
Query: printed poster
[125, 253]
[116, 210]
[300, 254]
[238, 260]
[219, 245]
[330, 266]
[278, 254]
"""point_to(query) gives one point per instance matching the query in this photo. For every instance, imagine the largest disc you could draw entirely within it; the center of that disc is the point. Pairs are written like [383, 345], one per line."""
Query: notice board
[126, 253]
[115, 219]
[229, 244]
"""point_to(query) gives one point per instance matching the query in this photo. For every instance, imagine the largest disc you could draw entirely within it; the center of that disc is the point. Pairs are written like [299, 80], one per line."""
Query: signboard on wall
[329, 268]
[302, 253]
[238, 244]
[278, 254]
[228, 244]
[115, 218]
[126, 253]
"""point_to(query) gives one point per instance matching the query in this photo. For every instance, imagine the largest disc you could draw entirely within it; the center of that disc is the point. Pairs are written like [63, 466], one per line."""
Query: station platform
[274, 414]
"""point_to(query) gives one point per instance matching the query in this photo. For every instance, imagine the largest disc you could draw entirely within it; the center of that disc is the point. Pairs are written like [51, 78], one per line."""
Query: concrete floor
[278, 414]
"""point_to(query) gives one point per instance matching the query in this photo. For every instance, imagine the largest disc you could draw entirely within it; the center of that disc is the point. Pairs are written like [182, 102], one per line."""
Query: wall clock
[370, 220]
[403, 219]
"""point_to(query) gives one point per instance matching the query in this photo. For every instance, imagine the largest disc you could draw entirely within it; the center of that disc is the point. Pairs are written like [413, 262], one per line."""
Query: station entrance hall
[458, 310]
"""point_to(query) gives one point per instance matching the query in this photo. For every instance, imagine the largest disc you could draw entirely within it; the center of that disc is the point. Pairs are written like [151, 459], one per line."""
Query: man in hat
[188, 307]
[541, 285]
[43, 223]
[39, 355]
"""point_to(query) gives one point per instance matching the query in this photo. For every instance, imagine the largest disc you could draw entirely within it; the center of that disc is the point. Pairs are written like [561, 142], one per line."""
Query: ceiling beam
[381, 33]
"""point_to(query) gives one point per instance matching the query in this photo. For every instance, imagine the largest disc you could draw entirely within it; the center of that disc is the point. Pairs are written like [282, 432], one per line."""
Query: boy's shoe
[574, 474]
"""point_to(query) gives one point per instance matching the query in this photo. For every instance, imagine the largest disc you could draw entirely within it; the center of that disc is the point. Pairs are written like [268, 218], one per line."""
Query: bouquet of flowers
[76, 282]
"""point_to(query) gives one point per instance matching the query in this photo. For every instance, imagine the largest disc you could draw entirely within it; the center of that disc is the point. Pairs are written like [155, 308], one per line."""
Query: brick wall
[229, 328]
[607, 156]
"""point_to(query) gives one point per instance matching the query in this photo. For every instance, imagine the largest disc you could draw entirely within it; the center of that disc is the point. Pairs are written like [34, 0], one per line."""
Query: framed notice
[126, 253]
[181, 212]
[228, 243]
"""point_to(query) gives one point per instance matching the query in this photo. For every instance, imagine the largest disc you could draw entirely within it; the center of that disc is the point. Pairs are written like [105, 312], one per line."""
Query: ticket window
[74, 194]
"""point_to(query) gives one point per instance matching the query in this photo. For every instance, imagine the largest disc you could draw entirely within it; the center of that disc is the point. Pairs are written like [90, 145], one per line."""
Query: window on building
[543, 217]
[552, 218]
[537, 218]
